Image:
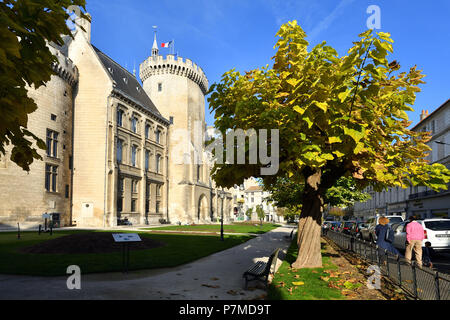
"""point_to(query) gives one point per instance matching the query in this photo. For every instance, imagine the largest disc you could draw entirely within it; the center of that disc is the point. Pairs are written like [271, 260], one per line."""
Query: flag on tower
[166, 44]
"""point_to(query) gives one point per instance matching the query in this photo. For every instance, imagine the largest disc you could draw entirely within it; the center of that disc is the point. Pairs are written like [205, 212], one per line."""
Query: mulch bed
[357, 268]
[92, 242]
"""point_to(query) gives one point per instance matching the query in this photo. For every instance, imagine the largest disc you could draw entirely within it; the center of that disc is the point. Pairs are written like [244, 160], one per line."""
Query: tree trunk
[309, 226]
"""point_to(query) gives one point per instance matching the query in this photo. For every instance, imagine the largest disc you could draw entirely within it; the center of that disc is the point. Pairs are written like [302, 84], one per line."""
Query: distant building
[419, 201]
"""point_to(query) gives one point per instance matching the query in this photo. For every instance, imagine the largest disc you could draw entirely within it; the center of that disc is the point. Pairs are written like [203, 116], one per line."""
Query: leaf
[322, 105]
[299, 283]
[299, 110]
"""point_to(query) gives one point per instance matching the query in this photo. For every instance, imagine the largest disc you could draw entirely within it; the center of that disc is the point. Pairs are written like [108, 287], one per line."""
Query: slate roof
[130, 88]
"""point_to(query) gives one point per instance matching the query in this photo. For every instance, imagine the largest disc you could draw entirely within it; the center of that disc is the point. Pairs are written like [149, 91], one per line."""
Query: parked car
[368, 233]
[436, 231]
[335, 226]
[348, 226]
[124, 222]
[356, 231]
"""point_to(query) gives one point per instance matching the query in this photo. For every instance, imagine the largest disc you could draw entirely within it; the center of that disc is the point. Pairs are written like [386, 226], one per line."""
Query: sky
[219, 35]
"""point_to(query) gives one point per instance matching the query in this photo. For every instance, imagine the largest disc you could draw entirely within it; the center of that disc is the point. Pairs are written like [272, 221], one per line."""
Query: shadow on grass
[309, 286]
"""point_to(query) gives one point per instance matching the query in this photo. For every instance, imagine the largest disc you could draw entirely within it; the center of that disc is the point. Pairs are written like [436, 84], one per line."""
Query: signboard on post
[125, 239]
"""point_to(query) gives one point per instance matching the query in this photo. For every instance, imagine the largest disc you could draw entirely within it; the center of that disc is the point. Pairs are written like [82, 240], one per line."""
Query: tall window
[157, 207]
[158, 191]
[119, 117]
[120, 185]
[147, 158]
[135, 186]
[147, 132]
[133, 205]
[51, 174]
[159, 87]
[147, 198]
[134, 124]
[133, 156]
[158, 163]
[52, 143]
[119, 150]
[158, 136]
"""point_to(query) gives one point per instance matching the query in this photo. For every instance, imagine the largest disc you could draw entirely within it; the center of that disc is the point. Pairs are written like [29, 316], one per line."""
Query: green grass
[314, 287]
[229, 228]
[179, 249]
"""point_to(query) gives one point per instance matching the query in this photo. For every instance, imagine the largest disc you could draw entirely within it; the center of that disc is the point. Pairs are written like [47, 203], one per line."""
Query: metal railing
[421, 283]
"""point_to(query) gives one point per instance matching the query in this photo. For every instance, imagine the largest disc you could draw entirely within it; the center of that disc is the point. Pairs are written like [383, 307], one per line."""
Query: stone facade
[24, 197]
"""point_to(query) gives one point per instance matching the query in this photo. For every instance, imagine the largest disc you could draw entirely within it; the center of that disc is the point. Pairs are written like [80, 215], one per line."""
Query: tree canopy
[26, 28]
[337, 117]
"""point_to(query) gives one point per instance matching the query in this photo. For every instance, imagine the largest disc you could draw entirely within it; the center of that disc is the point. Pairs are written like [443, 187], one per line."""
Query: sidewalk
[216, 277]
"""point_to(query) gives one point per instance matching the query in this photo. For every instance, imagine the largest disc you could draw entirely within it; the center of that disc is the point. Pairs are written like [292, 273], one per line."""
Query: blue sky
[220, 35]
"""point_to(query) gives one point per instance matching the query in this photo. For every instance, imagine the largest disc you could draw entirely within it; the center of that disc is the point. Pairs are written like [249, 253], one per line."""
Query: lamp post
[222, 196]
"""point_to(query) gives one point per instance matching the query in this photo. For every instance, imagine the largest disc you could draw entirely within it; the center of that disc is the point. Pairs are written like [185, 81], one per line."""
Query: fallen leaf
[326, 279]
[299, 283]
[210, 286]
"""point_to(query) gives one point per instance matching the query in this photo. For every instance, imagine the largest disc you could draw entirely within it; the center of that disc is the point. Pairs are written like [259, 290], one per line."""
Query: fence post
[387, 261]
[399, 271]
[436, 282]
[413, 266]
[365, 249]
[352, 244]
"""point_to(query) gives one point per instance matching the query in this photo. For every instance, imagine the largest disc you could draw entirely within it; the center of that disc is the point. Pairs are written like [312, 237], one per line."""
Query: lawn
[228, 228]
[178, 250]
[303, 284]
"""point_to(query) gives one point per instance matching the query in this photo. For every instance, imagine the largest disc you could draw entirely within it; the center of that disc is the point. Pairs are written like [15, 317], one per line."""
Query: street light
[222, 196]
[440, 142]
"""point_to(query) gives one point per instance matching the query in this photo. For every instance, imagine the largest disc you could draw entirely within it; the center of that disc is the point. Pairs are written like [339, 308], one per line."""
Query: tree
[249, 213]
[260, 213]
[26, 27]
[337, 117]
[288, 193]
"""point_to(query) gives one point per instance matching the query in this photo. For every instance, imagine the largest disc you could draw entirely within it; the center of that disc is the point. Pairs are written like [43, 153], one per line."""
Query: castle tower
[177, 87]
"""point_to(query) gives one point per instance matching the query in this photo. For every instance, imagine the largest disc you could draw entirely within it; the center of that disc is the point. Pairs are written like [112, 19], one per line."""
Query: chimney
[423, 115]
[86, 24]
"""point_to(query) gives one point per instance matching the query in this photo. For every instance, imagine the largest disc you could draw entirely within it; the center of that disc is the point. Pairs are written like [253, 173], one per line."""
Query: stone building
[24, 197]
[113, 145]
[419, 200]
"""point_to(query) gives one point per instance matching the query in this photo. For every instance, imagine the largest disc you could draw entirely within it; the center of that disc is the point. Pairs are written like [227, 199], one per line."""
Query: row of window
[135, 156]
[134, 126]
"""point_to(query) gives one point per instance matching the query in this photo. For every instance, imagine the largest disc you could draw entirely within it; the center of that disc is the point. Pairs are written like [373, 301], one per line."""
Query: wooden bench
[261, 270]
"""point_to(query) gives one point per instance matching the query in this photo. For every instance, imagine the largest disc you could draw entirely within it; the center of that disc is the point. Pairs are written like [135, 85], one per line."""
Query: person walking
[414, 238]
[385, 237]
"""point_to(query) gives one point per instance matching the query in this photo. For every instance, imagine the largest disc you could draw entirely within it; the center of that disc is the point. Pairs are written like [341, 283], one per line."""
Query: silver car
[368, 233]
[436, 231]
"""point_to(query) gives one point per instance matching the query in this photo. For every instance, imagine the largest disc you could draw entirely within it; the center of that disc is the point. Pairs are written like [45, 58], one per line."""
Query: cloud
[328, 20]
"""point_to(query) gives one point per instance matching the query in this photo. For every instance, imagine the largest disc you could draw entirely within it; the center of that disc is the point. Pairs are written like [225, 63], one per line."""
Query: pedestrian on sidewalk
[414, 239]
[428, 253]
[385, 237]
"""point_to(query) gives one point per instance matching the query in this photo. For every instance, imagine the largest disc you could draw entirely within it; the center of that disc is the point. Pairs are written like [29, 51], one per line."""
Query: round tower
[177, 87]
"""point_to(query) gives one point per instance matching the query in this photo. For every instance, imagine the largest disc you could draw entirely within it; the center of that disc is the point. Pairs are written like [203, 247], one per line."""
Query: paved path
[216, 277]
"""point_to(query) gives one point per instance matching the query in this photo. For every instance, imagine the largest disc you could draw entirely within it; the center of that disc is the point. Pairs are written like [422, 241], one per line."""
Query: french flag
[166, 44]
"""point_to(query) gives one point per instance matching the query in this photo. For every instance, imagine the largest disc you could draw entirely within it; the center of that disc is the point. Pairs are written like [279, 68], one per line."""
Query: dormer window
[125, 80]
[111, 70]
[138, 89]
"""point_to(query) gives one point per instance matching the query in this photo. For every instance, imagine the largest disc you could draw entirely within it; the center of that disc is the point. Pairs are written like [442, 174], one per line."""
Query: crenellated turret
[65, 68]
[158, 65]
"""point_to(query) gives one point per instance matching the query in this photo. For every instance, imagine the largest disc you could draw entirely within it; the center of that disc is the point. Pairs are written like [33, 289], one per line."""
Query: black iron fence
[420, 282]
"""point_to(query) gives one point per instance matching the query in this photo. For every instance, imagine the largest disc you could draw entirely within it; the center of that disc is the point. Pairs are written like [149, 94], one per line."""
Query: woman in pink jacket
[414, 239]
